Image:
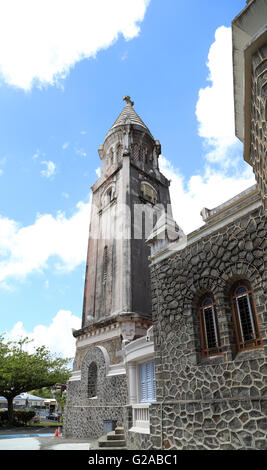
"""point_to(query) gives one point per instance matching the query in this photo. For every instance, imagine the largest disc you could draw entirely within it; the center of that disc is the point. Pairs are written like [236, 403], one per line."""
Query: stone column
[132, 383]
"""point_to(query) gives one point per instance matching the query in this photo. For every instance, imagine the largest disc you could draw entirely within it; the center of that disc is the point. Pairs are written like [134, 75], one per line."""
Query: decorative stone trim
[213, 227]
[76, 375]
[127, 328]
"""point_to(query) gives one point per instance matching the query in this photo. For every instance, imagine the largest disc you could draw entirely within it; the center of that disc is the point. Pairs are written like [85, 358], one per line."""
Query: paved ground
[39, 439]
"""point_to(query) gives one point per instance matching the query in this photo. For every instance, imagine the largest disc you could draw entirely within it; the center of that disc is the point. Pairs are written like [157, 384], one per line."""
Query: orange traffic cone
[56, 433]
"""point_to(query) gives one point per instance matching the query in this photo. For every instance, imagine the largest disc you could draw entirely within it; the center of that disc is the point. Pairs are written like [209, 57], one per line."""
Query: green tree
[21, 371]
[44, 392]
[57, 395]
[63, 402]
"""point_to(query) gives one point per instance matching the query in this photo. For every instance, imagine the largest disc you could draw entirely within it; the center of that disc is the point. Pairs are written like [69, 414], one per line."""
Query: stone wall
[142, 220]
[112, 346]
[84, 416]
[214, 402]
[136, 440]
[259, 121]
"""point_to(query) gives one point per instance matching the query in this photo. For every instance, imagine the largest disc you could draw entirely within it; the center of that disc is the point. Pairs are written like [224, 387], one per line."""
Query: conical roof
[129, 116]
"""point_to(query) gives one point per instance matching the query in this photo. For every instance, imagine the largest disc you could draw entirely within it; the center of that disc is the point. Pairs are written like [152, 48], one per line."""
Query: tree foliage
[44, 392]
[21, 371]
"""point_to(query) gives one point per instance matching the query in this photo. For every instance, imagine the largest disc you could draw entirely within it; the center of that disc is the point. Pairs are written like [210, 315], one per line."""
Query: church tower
[127, 200]
[129, 189]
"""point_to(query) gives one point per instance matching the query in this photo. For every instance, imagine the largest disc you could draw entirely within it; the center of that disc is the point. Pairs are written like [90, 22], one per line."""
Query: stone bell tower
[117, 275]
[128, 198]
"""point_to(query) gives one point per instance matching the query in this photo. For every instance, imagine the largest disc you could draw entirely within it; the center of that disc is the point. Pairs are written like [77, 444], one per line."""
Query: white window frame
[138, 352]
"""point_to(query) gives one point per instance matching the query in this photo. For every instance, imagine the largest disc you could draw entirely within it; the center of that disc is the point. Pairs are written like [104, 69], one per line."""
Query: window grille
[92, 380]
[209, 328]
[245, 317]
[136, 151]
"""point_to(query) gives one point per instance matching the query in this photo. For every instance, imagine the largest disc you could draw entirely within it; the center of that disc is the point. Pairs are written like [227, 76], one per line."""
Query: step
[119, 430]
[112, 444]
[113, 436]
[109, 448]
[102, 442]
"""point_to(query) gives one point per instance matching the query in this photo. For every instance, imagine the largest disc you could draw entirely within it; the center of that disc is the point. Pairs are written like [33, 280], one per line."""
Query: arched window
[148, 193]
[210, 340]
[245, 316]
[92, 380]
[111, 156]
[108, 196]
[119, 153]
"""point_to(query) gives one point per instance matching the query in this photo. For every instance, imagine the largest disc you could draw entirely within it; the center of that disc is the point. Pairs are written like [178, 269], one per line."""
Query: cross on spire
[128, 100]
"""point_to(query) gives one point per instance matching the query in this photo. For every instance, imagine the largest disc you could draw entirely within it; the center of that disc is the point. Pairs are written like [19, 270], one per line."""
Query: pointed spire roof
[129, 116]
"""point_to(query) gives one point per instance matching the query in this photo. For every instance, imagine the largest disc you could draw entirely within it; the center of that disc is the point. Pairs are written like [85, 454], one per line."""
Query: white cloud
[65, 145]
[43, 39]
[80, 152]
[49, 170]
[224, 173]
[36, 155]
[98, 172]
[3, 161]
[124, 56]
[7, 287]
[24, 250]
[57, 336]
[65, 195]
[209, 189]
[215, 106]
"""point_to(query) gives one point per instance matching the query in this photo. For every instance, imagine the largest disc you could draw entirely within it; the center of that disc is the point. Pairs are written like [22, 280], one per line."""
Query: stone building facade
[128, 198]
[173, 338]
[250, 87]
[216, 398]
[259, 120]
[94, 394]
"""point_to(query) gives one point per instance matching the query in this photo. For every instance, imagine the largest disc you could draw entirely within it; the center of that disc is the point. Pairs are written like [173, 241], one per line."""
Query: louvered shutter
[147, 380]
[143, 379]
[150, 381]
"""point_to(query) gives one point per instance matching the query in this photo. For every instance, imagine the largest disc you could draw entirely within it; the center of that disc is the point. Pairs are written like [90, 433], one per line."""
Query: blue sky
[64, 69]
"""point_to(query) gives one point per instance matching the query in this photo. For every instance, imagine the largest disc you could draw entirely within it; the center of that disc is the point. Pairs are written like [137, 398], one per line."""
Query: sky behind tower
[64, 69]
